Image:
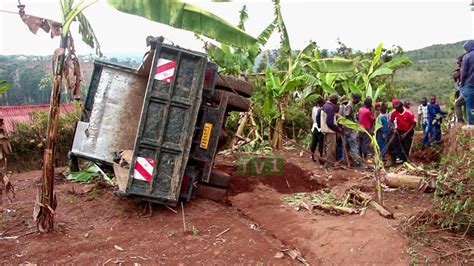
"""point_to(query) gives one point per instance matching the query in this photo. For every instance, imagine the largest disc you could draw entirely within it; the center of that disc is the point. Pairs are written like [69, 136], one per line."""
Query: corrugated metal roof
[22, 113]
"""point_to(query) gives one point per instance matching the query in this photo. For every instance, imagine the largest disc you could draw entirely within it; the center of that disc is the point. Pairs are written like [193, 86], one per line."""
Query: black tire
[235, 102]
[232, 84]
[219, 178]
[212, 193]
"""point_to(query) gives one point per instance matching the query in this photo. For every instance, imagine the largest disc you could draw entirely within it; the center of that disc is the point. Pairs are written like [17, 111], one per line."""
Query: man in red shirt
[405, 124]
[366, 119]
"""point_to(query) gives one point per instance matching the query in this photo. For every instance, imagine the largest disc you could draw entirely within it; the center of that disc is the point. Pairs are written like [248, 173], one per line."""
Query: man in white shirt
[317, 140]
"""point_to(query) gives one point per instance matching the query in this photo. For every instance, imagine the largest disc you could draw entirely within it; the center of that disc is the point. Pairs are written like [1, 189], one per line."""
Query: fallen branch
[184, 221]
[223, 232]
[455, 252]
[335, 208]
[372, 203]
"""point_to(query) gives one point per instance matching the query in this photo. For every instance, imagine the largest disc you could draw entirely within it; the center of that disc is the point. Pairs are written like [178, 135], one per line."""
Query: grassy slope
[431, 72]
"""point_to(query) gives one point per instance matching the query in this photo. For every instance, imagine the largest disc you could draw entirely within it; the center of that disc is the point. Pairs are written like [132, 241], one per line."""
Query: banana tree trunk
[277, 142]
[240, 129]
[46, 199]
[277, 138]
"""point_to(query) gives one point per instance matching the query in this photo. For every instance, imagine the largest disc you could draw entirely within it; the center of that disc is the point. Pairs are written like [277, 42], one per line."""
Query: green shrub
[28, 141]
[455, 188]
[297, 121]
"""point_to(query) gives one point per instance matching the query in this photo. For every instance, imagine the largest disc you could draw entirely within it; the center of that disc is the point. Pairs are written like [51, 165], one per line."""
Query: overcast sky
[359, 24]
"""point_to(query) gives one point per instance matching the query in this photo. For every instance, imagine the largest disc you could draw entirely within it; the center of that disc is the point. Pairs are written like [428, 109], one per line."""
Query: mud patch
[294, 179]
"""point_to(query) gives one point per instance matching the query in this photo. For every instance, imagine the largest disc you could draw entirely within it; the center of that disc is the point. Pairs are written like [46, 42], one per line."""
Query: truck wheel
[212, 193]
[235, 102]
[229, 83]
[219, 178]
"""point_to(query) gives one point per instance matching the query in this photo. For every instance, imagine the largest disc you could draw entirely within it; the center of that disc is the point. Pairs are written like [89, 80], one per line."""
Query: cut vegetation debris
[89, 174]
[352, 201]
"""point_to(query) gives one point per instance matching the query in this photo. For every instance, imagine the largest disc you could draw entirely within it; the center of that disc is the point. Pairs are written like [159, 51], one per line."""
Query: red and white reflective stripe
[165, 69]
[144, 168]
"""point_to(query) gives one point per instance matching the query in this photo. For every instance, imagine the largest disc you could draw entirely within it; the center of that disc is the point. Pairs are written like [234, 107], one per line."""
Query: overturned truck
[169, 114]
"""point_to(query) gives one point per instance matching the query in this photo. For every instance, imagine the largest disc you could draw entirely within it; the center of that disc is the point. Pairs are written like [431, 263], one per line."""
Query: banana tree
[378, 162]
[188, 17]
[351, 75]
[369, 69]
[277, 90]
[236, 61]
[65, 64]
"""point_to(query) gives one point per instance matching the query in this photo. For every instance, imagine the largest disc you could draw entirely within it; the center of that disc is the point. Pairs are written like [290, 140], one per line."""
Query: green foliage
[85, 176]
[28, 140]
[72, 11]
[431, 72]
[29, 78]
[4, 86]
[454, 188]
[237, 61]
[296, 120]
[188, 17]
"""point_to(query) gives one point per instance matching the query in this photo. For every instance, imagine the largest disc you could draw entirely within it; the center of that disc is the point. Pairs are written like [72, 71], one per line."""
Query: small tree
[378, 162]
[66, 64]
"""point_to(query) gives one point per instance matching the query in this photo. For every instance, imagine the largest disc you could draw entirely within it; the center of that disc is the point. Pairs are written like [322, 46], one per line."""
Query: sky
[359, 24]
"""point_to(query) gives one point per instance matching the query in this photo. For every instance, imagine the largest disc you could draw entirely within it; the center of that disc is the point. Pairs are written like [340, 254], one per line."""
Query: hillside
[30, 77]
[431, 72]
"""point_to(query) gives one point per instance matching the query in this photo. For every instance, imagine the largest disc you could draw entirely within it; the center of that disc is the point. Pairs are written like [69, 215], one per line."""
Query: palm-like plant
[237, 61]
[64, 61]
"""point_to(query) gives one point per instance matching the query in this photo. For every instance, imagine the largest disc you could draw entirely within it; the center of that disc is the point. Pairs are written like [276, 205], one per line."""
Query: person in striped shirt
[423, 119]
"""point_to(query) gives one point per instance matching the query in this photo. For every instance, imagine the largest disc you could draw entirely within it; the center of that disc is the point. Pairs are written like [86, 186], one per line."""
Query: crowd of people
[396, 126]
[394, 135]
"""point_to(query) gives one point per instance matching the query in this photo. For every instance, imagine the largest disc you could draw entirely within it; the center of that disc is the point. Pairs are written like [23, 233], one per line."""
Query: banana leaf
[381, 72]
[188, 17]
[86, 175]
[378, 91]
[376, 59]
[397, 63]
[332, 65]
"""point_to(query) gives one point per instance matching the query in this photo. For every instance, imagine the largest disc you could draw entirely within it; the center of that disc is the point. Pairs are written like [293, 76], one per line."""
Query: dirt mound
[293, 180]
[457, 141]
[425, 155]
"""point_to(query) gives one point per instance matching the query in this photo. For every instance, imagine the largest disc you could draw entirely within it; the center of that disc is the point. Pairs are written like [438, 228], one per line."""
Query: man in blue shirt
[467, 80]
[434, 121]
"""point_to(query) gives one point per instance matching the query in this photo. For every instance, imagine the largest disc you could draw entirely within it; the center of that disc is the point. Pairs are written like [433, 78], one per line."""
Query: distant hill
[431, 72]
[30, 76]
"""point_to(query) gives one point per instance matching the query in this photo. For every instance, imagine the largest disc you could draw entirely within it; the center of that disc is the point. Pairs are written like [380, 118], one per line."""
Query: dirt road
[250, 227]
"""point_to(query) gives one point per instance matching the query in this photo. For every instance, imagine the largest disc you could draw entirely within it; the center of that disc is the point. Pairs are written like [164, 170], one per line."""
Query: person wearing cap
[403, 133]
[349, 134]
[330, 129]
